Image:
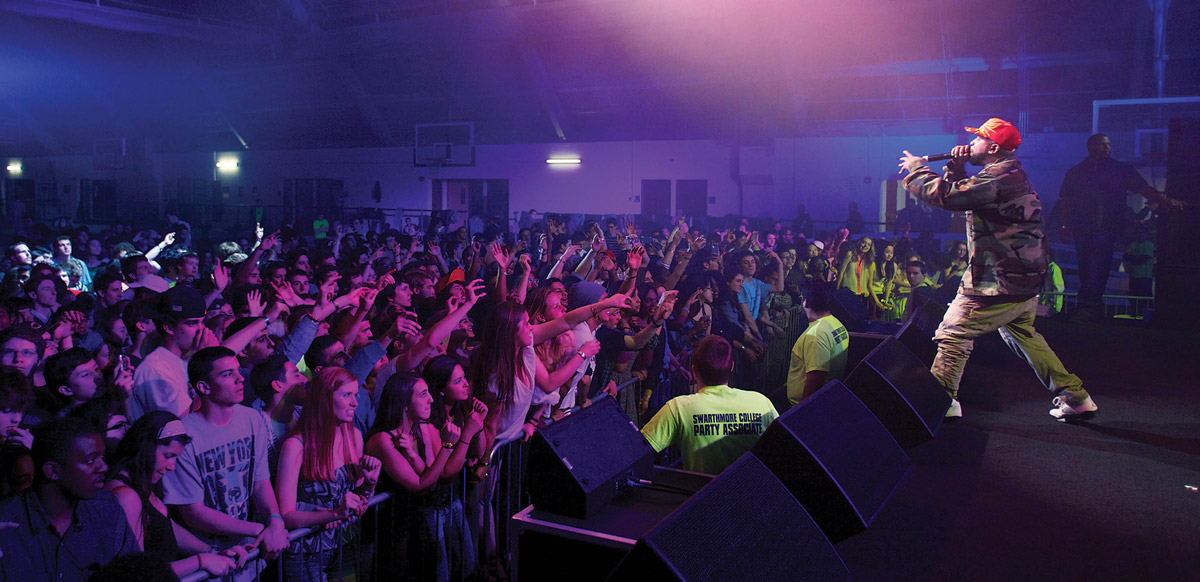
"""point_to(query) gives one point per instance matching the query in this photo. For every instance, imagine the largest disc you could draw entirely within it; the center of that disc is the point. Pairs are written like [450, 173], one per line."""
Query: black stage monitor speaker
[849, 309]
[1177, 266]
[836, 458]
[742, 526]
[917, 333]
[579, 464]
[901, 392]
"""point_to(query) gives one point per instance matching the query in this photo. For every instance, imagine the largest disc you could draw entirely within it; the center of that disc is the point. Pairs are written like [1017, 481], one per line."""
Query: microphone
[938, 157]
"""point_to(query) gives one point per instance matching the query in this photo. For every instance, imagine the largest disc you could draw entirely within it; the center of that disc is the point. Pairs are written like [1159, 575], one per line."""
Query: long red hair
[318, 429]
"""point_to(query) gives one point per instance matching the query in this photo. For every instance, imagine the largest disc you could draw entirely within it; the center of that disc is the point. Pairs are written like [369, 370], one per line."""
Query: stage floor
[1008, 493]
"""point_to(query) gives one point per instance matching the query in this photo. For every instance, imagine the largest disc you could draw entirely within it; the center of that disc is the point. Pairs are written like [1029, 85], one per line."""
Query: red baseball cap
[999, 131]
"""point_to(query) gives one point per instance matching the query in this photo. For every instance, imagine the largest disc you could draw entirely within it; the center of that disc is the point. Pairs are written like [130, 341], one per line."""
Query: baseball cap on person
[181, 302]
[583, 294]
[999, 131]
[455, 276]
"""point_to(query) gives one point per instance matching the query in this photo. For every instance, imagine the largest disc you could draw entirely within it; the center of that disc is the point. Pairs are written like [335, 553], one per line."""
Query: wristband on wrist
[275, 516]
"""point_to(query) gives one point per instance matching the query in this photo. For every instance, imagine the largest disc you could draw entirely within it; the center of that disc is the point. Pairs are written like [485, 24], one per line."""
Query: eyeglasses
[124, 424]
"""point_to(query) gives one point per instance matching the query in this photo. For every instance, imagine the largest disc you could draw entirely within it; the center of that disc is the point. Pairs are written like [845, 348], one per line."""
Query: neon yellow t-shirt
[822, 347]
[712, 427]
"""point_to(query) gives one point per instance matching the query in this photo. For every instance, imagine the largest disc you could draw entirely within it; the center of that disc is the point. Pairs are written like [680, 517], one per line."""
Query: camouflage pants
[969, 317]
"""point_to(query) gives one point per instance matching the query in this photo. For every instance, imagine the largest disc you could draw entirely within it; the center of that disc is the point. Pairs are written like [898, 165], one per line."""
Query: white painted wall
[824, 173]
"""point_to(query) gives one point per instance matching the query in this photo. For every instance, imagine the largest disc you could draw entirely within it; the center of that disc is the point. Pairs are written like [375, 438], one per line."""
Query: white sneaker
[955, 410]
[1066, 411]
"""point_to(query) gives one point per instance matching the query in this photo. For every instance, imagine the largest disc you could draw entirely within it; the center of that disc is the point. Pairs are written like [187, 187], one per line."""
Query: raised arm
[549, 329]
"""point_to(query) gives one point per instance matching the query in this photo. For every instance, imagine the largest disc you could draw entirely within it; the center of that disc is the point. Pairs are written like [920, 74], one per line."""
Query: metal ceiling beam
[781, 38]
[43, 44]
[222, 107]
[545, 89]
[33, 125]
[507, 25]
[362, 101]
[136, 22]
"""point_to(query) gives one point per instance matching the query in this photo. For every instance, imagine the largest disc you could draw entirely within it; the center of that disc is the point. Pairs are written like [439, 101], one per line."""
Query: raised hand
[405, 326]
[385, 280]
[590, 349]
[475, 291]
[618, 300]
[124, 378]
[286, 294]
[667, 305]
[205, 339]
[475, 418]
[270, 241]
[254, 303]
[220, 276]
[169, 239]
[500, 255]
[636, 257]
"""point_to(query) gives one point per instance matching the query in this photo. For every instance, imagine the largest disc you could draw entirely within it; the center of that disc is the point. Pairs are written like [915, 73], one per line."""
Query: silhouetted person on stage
[1092, 207]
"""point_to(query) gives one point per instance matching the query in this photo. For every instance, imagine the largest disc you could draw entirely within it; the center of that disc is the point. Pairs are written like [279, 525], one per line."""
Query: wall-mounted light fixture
[564, 161]
[227, 165]
[14, 168]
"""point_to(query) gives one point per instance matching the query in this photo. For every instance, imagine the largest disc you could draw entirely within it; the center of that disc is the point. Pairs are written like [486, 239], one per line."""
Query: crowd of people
[169, 403]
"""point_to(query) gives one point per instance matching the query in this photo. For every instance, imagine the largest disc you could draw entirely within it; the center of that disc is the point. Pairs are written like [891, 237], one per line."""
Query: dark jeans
[1094, 255]
[317, 566]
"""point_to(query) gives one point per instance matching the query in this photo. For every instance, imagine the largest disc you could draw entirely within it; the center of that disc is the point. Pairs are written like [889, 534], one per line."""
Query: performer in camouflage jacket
[1006, 263]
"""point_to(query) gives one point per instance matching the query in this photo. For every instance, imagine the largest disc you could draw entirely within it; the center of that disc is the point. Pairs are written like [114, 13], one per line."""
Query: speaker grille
[745, 525]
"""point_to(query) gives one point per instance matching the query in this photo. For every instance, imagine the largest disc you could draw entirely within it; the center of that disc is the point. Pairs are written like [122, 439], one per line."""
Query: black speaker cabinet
[580, 463]
[917, 333]
[836, 458]
[1177, 268]
[902, 393]
[745, 525]
[849, 309]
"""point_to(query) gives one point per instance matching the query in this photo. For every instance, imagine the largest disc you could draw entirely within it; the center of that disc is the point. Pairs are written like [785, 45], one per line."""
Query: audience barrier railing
[373, 504]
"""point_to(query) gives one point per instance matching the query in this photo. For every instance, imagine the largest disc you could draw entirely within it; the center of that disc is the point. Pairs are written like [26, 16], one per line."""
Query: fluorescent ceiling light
[554, 161]
[14, 168]
[227, 165]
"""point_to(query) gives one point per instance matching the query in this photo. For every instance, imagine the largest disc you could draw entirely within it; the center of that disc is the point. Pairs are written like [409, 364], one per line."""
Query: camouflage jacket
[1004, 225]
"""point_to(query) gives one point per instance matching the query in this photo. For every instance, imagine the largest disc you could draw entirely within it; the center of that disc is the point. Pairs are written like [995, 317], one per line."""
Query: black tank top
[158, 536]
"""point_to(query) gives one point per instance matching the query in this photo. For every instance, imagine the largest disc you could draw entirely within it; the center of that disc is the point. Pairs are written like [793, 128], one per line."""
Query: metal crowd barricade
[373, 504]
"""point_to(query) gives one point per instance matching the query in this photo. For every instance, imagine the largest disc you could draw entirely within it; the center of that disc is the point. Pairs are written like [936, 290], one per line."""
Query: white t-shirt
[160, 382]
[583, 333]
[524, 396]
